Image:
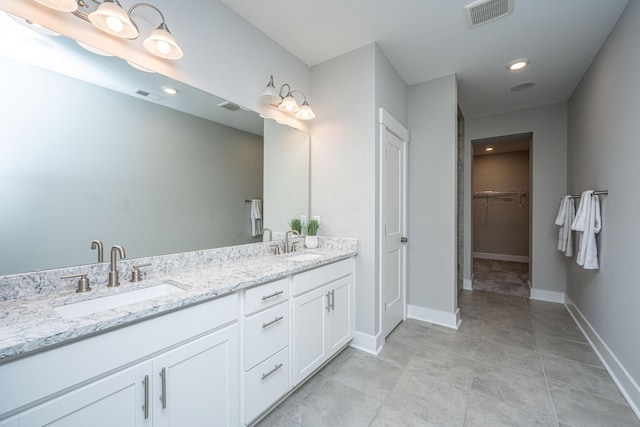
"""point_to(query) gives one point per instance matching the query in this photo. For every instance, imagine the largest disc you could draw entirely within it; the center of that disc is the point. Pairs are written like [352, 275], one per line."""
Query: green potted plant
[311, 239]
[296, 224]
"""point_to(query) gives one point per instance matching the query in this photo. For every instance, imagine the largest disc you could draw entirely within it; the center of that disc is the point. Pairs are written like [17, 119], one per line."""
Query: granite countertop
[31, 323]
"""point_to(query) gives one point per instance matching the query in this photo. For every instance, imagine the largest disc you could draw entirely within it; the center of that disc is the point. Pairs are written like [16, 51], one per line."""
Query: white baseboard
[627, 385]
[368, 343]
[544, 295]
[501, 257]
[466, 284]
[442, 318]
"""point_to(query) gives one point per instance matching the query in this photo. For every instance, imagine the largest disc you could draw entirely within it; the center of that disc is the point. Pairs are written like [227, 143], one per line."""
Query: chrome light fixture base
[285, 101]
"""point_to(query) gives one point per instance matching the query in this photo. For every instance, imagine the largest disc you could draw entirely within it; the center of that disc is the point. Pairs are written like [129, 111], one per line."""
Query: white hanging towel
[256, 217]
[565, 218]
[588, 223]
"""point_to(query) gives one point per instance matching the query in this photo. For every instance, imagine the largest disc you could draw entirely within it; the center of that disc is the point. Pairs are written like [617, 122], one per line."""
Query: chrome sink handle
[135, 274]
[83, 283]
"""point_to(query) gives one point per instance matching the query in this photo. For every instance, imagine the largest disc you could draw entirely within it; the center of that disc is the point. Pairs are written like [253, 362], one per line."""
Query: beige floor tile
[335, 405]
[580, 409]
[581, 377]
[578, 352]
[513, 387]
[370, 375]
[484, 411]
[430, 400]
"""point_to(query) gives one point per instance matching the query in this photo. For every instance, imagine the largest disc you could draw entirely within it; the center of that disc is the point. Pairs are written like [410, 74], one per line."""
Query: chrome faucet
[286, 239]
[264, 230]
[113, 272]
[97, 244]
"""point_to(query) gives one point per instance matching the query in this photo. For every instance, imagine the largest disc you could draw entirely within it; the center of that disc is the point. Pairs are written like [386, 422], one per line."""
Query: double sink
[99, 304]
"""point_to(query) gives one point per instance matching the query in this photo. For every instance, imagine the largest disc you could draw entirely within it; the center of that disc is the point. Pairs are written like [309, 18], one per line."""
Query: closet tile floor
[504, 277]
[513, 362]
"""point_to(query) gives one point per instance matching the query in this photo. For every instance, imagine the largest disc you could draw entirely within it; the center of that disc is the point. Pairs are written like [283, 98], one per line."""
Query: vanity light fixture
[518, 64]
[288, 102]
[111, 18]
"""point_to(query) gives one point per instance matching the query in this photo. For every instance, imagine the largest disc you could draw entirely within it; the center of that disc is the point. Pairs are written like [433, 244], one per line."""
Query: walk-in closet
[501, 214]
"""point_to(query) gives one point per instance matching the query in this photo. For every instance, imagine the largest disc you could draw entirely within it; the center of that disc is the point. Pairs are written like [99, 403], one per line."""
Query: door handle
[145, 407]
[403, 240]
[163, 398]
[333, 299]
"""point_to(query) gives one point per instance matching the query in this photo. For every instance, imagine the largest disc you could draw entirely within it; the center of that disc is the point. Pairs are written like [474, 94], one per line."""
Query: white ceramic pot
[311, 242]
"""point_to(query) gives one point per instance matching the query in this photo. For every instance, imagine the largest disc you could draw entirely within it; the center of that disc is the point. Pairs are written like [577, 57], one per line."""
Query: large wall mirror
[129, 164]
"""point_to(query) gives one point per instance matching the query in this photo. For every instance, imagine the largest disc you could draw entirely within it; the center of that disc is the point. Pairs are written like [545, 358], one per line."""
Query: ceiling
[427, 39]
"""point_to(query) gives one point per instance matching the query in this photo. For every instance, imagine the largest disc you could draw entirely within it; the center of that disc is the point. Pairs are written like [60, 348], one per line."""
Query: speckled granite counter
[30, 323]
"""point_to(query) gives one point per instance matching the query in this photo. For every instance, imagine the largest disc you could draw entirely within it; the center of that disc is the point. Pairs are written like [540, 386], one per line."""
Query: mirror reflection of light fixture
[111, 18]
[288, 102]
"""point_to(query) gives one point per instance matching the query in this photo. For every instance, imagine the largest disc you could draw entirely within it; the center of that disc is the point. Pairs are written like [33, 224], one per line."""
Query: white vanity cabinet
[267, 367]
[114, 378]
[323, 315]
[117, 400]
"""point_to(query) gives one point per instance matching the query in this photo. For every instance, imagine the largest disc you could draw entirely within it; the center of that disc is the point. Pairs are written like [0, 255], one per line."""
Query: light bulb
[114, 24]
[163, 47]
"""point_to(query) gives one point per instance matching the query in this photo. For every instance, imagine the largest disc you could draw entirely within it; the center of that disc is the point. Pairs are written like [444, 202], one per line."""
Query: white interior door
[393, 144]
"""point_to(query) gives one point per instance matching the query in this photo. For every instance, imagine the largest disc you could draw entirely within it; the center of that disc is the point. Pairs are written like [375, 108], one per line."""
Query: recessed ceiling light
[488, 149]
[169, 90]
[522, 86]
[518, 64]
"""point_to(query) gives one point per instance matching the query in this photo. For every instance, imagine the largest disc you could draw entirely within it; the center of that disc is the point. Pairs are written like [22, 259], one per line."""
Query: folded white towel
[256, 217]
[565, 218]
[588, 223]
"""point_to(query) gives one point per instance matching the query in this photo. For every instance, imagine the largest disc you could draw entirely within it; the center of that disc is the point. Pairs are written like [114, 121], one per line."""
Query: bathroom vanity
[237, 338]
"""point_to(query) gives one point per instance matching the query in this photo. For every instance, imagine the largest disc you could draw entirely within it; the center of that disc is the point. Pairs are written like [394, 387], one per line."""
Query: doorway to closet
[501, 212]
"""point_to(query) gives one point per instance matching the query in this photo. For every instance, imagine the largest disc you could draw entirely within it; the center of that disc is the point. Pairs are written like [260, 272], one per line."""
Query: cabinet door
[341, 316]
[197, 384]
[309, 344]
[117, 400]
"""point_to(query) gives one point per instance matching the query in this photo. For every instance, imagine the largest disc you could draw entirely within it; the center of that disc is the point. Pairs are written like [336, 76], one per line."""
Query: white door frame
[388, 122]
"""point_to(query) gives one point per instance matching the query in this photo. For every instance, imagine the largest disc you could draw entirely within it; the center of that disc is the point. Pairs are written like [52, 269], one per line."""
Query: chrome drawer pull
[145, 407]
[275, 294]
[277, 319]
[272, 371]
[163, 398]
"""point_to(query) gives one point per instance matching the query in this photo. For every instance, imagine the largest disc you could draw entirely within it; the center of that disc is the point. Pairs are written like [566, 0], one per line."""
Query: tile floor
[504, 277]
[513, 362]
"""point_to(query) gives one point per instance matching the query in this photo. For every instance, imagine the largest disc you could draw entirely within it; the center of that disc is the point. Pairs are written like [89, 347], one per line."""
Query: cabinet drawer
[265, 384]
[265, 296]
[309, 280]
[265, 333]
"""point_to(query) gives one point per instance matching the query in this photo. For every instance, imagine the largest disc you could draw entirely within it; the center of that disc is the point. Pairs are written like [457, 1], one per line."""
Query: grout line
[544, 372]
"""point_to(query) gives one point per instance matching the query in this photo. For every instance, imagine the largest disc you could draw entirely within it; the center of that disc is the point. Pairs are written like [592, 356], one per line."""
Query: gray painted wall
[343, 164]
[347, 92]
[500, 224]
[549, 176]
[133, 173]
[432, 195]
[603, 154]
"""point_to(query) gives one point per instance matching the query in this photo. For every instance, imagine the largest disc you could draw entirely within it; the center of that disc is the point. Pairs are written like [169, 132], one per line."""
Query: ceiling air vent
[228, 105]
[149, 95]
[482, 11]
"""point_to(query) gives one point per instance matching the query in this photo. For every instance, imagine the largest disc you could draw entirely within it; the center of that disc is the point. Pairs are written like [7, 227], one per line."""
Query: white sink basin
[96, 305]
[304, 257]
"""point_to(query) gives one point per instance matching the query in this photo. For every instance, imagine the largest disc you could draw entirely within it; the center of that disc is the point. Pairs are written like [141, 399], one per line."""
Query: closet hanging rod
[595, 193]
[498, 193]
[249, 201]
